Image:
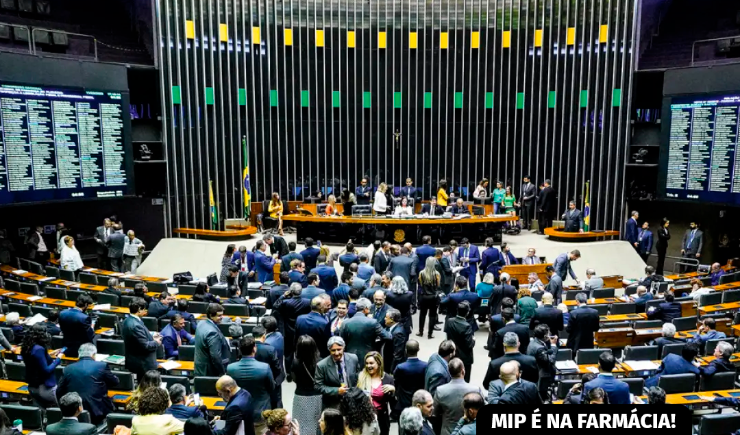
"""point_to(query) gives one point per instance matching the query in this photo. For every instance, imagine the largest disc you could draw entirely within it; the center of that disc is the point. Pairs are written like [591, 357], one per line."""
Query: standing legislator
[692, 242]
[545, 207]
[631, 233]
[528, 195]
[363, 192]
[573, 219]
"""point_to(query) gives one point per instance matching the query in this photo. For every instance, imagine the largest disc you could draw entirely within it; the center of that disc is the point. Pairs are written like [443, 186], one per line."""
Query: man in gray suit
[449, 398]
[212, 350]
[336, 373]
[555, 286]
[360, 332]
[101, 243]
[562, 264]
[116, 242]
[71, 406]
[403, 266]
[573, 219]
[255, 377]
[438, 372]
[691, 244]
[592, 281]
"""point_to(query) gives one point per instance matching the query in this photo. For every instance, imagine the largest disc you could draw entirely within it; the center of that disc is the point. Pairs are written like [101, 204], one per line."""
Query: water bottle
[18, 424]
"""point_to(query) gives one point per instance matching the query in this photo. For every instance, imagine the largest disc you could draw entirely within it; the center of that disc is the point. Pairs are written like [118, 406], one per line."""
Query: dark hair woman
[359, 413]
[42, 383]
[226, 262]
[442, 195]
[203, 294]
[332, 422]
[197, 426]
[307, 404]
[663, 237]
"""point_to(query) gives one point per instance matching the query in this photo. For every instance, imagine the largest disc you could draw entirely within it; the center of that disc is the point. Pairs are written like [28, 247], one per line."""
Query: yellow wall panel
[223, 32]
[506, 39]
[351, 42]
[190, 29]
[444, 40]
[413, 40]
[604, 33]
[382, 39]
[256, 35]
[570, 38]
[319, 38]
[288, 36]
[475, 40]
[538, 38]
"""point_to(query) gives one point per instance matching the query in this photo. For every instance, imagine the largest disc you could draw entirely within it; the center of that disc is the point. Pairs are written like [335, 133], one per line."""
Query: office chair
[673, 384]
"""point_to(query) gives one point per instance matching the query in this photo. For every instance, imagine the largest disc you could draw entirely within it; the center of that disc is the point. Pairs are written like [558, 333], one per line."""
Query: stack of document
[99, 307]
[566, 366]
[35, 319]
[640, 366]
[20, 271]
[170, 365]
[258, 301]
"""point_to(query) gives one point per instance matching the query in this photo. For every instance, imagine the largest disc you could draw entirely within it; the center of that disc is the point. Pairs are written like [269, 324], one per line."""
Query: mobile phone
[62, 350]
[318, 243]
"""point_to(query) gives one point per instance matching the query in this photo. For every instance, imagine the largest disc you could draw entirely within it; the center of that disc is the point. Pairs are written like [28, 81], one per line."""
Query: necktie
[691, 239]
[506, 257]
[340, 371]
[642, 232]
[179, 339]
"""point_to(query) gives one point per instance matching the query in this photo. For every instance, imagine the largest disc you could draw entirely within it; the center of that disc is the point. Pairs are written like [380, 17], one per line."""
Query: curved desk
[237, 234]
[366, 230]
[589, 236]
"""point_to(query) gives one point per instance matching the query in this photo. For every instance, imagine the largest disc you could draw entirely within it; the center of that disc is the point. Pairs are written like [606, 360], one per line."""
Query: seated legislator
[174, 335]
[668, 337]
[618, 391]
[706, 332]
[459, 207]
[275, 208]
[403, 209]
[431, 208]
[331, 206]
[666, 311]
[71, 407]
[180, 404]
[641, 298]
[409, 191]
[235, 296]
[721, 363]
[674, 364]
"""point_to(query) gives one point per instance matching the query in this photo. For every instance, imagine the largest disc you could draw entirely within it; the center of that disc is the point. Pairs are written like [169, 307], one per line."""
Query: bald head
[226, 387]
[509, 372]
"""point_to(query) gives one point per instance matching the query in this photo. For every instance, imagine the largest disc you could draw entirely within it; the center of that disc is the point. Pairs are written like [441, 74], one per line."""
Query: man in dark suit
[101, 247]
[116, 242]
[52, 323]
[674, 364]
[310, 254]
[507, 258]
[459, 207]
[521, 331]
[382, 258]
[91, 380]
[618, 391]
[277, 244]
[458, 330]
[511, 344]
[668, 337]
[363, 192]
[666, 311]
[544, 348]
[394, 350]
[555, 286]
[431, 208]
[180, 404]
[328, 279]
[631, 233]
[444, 267]
[235, 296]
[360, 332]
[721, 362]
[645, 240]
[692, 242]
[336, 373]
[264, 264]
[409, 191]
[290, 306]
[573, 219]
[521, 392]
[409, 377]
[583, 323]
[490, 259]
[424, 251]
[349, 256]
[76, 326]
[562, 264]
[71, 406]
[112, 288]
[212, 349]
[438, 371]
[379, 308]
[243, 259]
[313, 289]
[500, 292]
[314, 324]
[238, 278]
[297, 273]
[545, 207]
[528, 195]
[425, 402]
[239, 407]
[173, 335]
[342, 290]
[255, 377]
[160, 305]
[140, 346]
[548, 315]
[403, 266]
[181, 308]
[469, 257]
[288, 258]
[462, 294]
[496, 322]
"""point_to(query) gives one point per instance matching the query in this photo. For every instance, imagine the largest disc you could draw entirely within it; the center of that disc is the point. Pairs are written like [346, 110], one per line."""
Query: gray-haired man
[336, 373]
[360, 332]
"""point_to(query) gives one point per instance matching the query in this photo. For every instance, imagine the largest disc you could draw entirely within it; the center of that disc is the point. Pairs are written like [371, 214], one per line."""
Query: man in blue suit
[673, 364]
[490, 259]
[469, 257]
[562, 264]
[342, 291]
[706, 332]
[328, 279]
[255, 377]
[363, 192]
[618, 391]
[174, 335]
[438, 371]
[239, 408]
[312, 290]
[274, 338]
[290, 306]
[507, 258]
[180, 404]
[460, 294]
[631, 234]
[91, 380]
[310, 254]
[409, 377]
[365, 270]
[645, 240]
[409, 191]
[315, 325]
[244, 260]
[296, 274]
[349, 256]
[287, 260]
[76, 326]
[424, 251]
[263, 263]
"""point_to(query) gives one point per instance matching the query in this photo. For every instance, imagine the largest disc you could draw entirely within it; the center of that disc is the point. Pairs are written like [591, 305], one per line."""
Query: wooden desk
[599, 301]
[710, 309]
[622, 317]
[589, 236]
[21, 389]
[110, 273]
[686, 398]
[217, 235]
[678, 276]
[614, 337]
[55, 302]
[522, 271]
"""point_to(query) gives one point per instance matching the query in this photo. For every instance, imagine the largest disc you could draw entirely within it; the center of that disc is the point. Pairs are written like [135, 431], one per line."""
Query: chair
[648, 324]
[131, 282]
[589, 356]
[712, 298]
[150, 323]
[255, 293]
[537, 295]
[4, 30]
[21, 34]
[111, 347]
[12, 285]
[172, 380]
[197, 307]
[564, 354]
[54, 415]
[205, 385]
[186, 289]
[126, 300]
[266, 219]
[602, 293]
[56, 293]
[625, 308]
[640, 353]
[25, 6]
[636, 385]
[125, 380]
[624, 324]
[247, 328]
[602, 309]
[30, 288]
[675, 348]
[718, 381]
[67, 275]
[565, 386]
[673, 384]
[685, 323]
[88, 278]
[630, 290]
[22, 309]
[52, 271]
[72, 295]
[106, 320]
[156, 287]
[36, 268]
[186, 352]
[718, 424]
[8, 333]
[730, 296]
[25, 264]
[570, 295]
[115, 419]
[30, 415]
[224, 327]
[38, 309]
[258, 310]
[108, 298]
[728, 278]
[60, 39]
[57, 342]
[712, 344]
[8, 4]
[236, 310]
[16, 371]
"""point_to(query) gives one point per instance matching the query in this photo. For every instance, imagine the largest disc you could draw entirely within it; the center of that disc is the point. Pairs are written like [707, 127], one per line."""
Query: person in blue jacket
[263, 263]
[40, 365]
[645, 241]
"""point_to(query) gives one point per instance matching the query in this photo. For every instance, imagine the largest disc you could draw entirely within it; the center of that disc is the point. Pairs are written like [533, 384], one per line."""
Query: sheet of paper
[35, 319]
[101, 356]
[457, 269]
[101, 307]
[254, 285]
[20, 271]
[566, 365]
[34, 298]
[593, 370]
[639, 366]
[48, 278]
[169, 365]
[258, 301]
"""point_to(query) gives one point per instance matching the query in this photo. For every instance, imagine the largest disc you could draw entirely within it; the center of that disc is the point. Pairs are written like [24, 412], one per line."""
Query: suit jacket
[237, 260]
[528, 192]
[360, 194]
[268, 355]
[327, 379]
[545, 354]
[264, 265]
[157, 309]
[646, 243]
[546, 200]
[316, 326]
[348, 258]
[115, 242]
[359, 334]
[618, 391]
[474, 256]
[500, 292]
[328, 279]
[445, 273]
[584, 321]
[212, 350]
[69, 426]
[555, 287]
[141, 349]
[424, 252]
[692, 245]
[672, 364]
[408, 192]
[438, 373]
[311, 292]
[427, 208]
[667, 311]
[101, 248]
[573, 220]
[459, 331]
[562, 266]
[91, 380]
[277, 342]
[238, 410]
[77, 330]
[310, 255]
[631, 231]
[548, 315]
[521, 393]
[286, 260]
[594, 283]
[662, 341]
[491, 261]
[381, 261]
[527, 365]
[521, 331]
[394, 350]
[169, 340]
[459, 210]
[403, 303]
[289, 310]
[300, 278]
[339, 293]
[255, 377]
[447, 400]
[510, 257]
[182, 412]
[409, 378]
[379, 314]
[279, 246]
[718, 365]
[365, 271]
[452, 300]
[403, 266]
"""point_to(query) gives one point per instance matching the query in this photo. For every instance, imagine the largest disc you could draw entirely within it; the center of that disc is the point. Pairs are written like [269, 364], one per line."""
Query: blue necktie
[341, 373]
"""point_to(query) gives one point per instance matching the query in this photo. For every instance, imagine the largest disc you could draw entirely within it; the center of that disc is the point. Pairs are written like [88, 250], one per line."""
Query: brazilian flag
[586, 211]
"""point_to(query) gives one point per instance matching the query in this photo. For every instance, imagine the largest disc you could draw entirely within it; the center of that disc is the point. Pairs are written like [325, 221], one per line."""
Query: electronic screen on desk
[700, 159]
[63, 144]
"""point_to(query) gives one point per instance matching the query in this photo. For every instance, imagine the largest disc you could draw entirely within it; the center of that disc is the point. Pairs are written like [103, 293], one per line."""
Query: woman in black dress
[663, 237]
